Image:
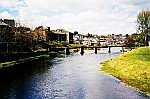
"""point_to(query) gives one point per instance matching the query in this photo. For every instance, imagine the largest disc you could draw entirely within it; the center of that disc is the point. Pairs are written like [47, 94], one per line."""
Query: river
[65, 77]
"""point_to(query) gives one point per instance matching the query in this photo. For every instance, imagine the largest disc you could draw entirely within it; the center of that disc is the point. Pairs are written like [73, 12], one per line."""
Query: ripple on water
[70, 77]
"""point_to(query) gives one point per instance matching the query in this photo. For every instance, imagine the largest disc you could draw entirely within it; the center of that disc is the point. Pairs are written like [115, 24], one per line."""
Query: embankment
[6, 57]
[22, 61]
[133, 68]
[12, 59]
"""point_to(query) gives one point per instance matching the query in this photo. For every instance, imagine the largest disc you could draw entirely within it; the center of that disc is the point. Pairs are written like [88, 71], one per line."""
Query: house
[87, 42]
[102, 41]
[95, 42]
[78, 38]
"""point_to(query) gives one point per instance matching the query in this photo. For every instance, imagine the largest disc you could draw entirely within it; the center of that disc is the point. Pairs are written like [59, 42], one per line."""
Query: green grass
[20, 61]
[75, 45]
[132, 68]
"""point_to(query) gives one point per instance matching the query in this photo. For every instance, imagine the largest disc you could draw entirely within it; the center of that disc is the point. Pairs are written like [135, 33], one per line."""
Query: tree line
[19, 38]
[23, 39]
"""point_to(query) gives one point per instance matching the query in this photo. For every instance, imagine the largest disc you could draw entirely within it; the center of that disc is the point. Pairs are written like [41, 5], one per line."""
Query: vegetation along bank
[21, 61]
[133, 68]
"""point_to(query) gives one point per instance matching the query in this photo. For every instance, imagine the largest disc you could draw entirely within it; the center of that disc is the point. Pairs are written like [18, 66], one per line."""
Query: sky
[100, 17]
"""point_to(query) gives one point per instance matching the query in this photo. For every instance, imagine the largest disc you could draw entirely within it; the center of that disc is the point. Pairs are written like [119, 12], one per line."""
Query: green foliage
[130, 42]
[75, 45]
[134, 40]
[143, 22]
[132, 68]
[75, 32]
[53, 44]
[20, 61]
[36, 47]
[88, 35]
[139, 40]
[63, 43]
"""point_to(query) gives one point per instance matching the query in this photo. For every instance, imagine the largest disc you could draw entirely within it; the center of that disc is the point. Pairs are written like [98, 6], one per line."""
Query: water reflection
[65, 77]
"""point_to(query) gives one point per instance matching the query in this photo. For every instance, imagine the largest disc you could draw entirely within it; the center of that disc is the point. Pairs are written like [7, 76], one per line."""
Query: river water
[65, 77]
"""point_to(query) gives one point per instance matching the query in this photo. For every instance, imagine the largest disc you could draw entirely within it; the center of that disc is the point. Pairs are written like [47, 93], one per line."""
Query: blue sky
[85, 16]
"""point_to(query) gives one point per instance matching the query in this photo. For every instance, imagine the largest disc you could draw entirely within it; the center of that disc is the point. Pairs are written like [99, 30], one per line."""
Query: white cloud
[11, 4]
[6, 15]
[93, 16]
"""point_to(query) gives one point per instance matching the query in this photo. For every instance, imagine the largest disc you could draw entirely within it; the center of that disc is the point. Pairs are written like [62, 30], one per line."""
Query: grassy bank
[132, 68]
[21, 61]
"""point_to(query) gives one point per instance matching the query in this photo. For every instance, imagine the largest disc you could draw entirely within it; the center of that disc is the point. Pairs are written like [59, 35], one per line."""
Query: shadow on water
[13, 79]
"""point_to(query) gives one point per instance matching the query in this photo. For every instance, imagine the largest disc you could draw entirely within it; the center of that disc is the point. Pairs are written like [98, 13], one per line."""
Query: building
[69, 38]
[10, 22]
[60, 35]
[6, 37]
[95, 42]
[87, 42]
[78, 38]
[5, 32]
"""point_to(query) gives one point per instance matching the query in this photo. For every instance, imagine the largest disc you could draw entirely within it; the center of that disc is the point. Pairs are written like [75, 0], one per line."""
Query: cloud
[84, 16]
[138, 4]
[11, 4]
[6, 15]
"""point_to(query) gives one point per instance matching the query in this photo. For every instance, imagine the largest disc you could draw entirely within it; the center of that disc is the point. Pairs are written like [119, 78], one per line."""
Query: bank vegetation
[133, 68]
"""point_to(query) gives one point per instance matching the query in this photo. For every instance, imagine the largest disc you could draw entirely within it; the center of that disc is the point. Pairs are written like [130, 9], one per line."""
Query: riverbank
[22, 61]
[12, 59]
[133, 68]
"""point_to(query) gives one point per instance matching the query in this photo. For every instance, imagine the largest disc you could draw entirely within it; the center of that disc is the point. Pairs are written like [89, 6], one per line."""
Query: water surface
[67, 77]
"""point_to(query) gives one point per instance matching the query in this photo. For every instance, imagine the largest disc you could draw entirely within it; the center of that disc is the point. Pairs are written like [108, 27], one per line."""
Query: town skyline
[95, 17]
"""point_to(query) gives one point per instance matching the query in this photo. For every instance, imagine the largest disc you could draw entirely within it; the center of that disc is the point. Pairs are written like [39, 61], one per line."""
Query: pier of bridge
[82, 48]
